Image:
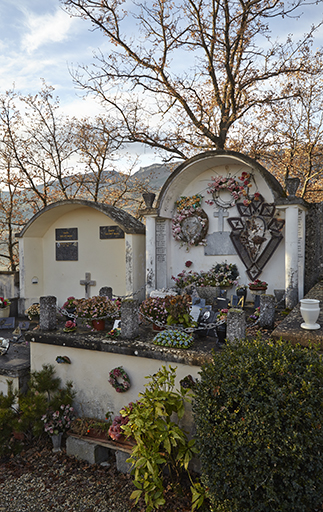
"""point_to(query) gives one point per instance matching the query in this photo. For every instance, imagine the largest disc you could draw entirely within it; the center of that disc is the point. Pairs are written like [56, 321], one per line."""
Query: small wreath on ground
[174, 339]
[121, 374]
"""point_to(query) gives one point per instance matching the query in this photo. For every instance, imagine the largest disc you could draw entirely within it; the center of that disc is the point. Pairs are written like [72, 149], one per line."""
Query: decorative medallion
[190, 222]
[256, 234]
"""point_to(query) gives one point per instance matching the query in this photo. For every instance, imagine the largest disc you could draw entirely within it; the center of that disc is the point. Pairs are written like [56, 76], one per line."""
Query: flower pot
[57, 441]
[98, 325]
[310, 310]
[4, 312]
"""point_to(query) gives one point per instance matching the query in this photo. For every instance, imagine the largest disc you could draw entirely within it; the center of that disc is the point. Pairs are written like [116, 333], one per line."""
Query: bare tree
[287, 136]
[179, 74]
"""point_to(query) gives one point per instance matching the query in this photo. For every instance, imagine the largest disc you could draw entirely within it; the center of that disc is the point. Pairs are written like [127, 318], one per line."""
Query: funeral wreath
[119, 373]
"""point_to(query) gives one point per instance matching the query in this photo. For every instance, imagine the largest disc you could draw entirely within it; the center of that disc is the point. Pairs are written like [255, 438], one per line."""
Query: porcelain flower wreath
[188, 207]
[119, 373]
[237, 188]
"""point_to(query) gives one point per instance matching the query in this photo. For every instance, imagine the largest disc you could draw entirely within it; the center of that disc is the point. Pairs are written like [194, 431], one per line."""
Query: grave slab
[290, 329]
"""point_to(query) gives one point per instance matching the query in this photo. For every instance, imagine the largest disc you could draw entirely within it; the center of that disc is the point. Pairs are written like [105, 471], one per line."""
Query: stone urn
[209, 293]
[310, 310]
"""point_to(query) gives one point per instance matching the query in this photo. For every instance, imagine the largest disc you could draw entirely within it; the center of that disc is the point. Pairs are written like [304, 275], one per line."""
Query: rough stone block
[91, 452]
[129, 319]
[48, 312]
[122, 465]
[267, 311]
[236, 325]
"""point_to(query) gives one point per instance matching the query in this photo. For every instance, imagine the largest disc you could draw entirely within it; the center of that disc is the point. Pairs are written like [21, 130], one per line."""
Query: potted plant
[258, 285]
[154, 310]
[222, 275]
[33, 312]
[4, 307]
[57, 422]
[178, 309]
[97, 309]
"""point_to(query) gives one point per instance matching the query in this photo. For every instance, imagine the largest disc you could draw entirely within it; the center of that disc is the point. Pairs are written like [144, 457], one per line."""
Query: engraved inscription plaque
[66, 251]
[66, 234]
[110, 232]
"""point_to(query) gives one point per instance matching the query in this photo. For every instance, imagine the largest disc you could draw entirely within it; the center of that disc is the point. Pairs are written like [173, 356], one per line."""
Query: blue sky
[39, 40]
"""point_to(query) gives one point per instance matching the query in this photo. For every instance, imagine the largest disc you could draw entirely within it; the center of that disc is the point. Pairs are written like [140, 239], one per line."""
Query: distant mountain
[156, 174]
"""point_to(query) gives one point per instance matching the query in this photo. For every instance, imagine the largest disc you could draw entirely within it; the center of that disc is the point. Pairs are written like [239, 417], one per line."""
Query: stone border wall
[313, 271]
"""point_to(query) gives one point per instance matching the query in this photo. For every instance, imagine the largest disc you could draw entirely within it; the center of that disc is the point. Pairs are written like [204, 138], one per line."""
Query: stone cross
[87, 283]
[220, 214]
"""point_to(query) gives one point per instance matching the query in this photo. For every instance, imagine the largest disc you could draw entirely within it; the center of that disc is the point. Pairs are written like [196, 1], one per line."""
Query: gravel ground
[38, 480]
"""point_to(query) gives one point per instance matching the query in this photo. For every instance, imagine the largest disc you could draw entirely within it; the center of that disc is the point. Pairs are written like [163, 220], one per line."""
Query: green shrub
[8, 415]
[44, 393]
[259, 416]
[160, 442]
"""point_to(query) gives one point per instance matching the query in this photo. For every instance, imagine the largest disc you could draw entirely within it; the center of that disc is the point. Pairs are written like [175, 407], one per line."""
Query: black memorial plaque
[64, 234]
[110, 232]
[66, 251]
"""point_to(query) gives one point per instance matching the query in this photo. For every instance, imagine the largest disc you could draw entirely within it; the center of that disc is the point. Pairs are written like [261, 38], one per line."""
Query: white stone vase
[310, 310]
[4, 312]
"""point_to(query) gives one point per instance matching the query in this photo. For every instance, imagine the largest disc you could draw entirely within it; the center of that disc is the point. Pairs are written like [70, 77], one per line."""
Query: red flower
[188, 263]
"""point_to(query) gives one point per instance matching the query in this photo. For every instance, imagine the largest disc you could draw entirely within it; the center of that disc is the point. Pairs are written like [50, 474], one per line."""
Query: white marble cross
[87, 283]
[220, 214]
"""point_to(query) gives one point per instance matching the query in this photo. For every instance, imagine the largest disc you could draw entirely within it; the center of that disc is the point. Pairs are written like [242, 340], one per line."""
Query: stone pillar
[129, 319]
[291, 256]
[48, 312]
[106, 291]
[150, 253]
[236, 325]
[267, 311]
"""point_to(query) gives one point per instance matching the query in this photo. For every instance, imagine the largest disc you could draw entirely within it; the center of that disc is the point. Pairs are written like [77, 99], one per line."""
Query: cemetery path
[38, 480]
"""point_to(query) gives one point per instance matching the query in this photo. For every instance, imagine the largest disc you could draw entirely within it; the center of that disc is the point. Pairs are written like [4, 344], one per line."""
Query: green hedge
[259, 419]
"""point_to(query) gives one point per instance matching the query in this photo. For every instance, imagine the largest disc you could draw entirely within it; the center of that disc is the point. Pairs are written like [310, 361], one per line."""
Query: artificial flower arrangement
[154, 309]
[255, 315]
[178, 309]
[222, 275]
[116, 431]
[33, 311]
[113, 334]
[58, 421]
[187, 207]
[237, 188]
[70, 326]
[70, 303]
[172, 309]
[97, 307]
[222, 315]
[174, 339]
[4, 303]
[257, 284]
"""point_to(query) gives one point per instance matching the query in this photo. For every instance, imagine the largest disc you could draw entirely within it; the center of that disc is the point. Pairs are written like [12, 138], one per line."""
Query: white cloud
[46, 28]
